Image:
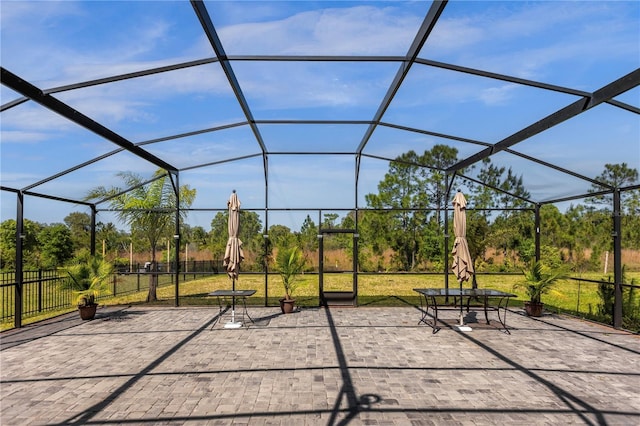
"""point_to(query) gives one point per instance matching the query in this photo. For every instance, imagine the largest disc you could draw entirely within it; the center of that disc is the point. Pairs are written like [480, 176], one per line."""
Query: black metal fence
[185, 267]
[42, 291]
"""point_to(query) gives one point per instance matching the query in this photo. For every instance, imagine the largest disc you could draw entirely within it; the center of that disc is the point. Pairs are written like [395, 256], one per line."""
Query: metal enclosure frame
[587, 100]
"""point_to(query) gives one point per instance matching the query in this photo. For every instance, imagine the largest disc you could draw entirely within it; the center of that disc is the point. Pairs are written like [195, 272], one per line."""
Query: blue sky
[579, 45]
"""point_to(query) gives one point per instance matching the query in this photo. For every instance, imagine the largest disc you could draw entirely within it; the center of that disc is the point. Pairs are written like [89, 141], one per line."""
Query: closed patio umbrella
[233, 254]
[462, 263]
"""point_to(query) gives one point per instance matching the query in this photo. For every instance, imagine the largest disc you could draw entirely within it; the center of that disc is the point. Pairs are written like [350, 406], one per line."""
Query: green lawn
[374, 290]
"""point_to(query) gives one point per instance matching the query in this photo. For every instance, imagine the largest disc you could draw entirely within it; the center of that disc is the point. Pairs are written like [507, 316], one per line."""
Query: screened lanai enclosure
[341, 120]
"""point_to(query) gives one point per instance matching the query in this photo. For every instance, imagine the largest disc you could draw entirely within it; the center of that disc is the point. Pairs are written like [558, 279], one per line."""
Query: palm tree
[148, 207]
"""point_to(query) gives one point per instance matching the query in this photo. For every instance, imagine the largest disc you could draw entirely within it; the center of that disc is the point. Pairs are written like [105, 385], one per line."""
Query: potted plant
[88, 279]
[289, 263]
[539, 280]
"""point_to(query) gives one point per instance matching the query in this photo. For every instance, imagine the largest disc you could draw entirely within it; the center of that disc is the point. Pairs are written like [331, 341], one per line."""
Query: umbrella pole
[233, 301]
[461, 313]
[462, 326]
[233, 323]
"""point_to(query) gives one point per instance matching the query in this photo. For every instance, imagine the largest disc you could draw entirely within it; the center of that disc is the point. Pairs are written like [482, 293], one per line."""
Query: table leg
[423, 309]
[425, 312]
[503, 320]
[435, 316]
[219, 311]
[245, 311]
[486, 303]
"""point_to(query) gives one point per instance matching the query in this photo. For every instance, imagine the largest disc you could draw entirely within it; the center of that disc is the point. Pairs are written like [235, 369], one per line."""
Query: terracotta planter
[533, 309]
[88, 312]
[287, 306]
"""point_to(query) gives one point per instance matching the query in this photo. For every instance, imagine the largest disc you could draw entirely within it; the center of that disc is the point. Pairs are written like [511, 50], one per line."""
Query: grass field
[389, 290]
[576, 297]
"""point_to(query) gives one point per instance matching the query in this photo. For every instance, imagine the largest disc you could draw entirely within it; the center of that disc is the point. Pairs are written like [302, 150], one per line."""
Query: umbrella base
[232, 324]
[462, 326]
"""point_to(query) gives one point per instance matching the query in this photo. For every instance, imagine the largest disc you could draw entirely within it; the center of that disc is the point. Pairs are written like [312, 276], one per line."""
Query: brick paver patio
[359, 366]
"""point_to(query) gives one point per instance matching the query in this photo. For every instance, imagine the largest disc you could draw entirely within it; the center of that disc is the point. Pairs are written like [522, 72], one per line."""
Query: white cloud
[31, 117]
[453, 35]
[359, 30]
[67, 43]
[497, 95]
[526, 39]
[312, 85]
[40, 14]
[136, 100]
[19, 179]
[19, 136]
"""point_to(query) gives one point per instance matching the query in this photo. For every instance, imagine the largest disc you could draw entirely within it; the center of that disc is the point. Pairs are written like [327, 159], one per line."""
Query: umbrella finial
[233, 191]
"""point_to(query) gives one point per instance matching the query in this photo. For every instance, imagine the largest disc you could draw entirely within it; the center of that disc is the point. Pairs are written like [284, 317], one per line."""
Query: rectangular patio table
[224, 295]
[430, 296]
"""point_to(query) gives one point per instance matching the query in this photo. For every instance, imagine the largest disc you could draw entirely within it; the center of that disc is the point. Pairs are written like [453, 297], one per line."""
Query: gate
[333, 290]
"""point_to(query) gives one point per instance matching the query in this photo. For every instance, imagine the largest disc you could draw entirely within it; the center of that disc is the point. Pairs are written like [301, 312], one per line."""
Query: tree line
[402, 227]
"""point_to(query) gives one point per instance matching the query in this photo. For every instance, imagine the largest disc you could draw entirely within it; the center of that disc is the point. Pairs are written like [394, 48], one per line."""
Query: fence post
[39, 290]
[578, 301]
